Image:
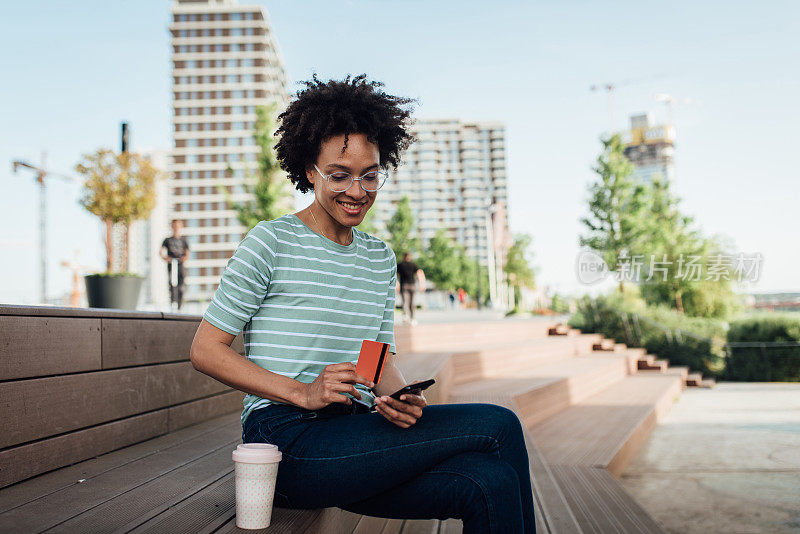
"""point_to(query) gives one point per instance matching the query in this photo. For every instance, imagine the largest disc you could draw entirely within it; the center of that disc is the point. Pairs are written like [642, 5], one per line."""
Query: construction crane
[668, 101]
[41, 173]
[610, 87]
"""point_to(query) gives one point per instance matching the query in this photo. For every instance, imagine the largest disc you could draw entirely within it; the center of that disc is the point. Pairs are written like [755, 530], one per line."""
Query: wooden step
[592, 501]
[599, 504]
[605, 429]
[631, 356]
[558, 330]
[606, 345]
[651, 363]
[102, 496]
[680, 370]
[542, 391]
[647, 360]
[416, 367]
[428, 337]
[509, 358]
[178, 482]
[694, 379]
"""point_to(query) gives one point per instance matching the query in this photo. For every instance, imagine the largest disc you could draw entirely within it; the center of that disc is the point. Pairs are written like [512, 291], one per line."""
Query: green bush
[692, 341]
[771, 363]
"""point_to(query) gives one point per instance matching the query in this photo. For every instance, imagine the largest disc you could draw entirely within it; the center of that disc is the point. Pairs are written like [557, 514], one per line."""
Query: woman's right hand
[335, 379]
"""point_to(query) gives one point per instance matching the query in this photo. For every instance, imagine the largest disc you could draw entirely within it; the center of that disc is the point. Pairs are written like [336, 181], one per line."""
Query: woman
[306, 289]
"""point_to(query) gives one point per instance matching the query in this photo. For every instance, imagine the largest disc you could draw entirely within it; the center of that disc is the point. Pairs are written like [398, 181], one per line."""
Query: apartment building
[225, 63]
[455, 179]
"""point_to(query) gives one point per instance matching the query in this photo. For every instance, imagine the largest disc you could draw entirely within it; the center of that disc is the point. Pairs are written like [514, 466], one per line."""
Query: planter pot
[121, 292]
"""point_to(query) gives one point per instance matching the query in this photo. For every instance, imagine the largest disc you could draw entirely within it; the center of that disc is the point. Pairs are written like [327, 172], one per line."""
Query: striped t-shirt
[304, 301]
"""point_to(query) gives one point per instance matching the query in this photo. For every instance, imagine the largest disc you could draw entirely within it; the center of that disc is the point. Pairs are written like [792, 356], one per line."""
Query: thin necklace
[323, 232]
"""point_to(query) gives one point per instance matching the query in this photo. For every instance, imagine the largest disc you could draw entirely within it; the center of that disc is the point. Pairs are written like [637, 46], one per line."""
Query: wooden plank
[450, 336]
[552, 514]
[42, 485]
[193, 412]
[119, 511]
[600, 504]
[595, 431]
[420, 526]
[542, 391]
[60, 311]
[292, 521]
[451, 526]
[370, 525]
[393, 526]
[212, 508]
[421, 366]
[43, 407]
[40, 456]
[348, 522]
[129, 342]
[505, 360]
[182, 317]
[191, 458]
[26, 461]
[43, 346]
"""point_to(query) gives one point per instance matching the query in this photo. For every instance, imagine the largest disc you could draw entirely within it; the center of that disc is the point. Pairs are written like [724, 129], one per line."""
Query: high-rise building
[454, 176]
[225, 63]
[650, 147]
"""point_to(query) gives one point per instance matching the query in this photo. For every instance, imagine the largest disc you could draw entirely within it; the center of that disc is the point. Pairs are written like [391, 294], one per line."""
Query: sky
[73, 70]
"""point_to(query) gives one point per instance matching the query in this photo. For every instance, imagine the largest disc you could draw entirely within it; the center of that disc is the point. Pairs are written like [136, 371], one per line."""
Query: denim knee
[505, 419]
[491, 495]
[510, 419]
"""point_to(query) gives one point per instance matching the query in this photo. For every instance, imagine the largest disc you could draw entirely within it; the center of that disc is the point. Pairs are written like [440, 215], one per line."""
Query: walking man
[407, 271]
[175, 250]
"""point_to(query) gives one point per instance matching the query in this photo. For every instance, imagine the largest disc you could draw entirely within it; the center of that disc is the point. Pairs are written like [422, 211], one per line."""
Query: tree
[272, 194]
[712, 296]
[517, 268]
[617, 207]
[442, 261]
[400, 227]
[119, 188]
[669, 238]
[679, 260]
[477, 286]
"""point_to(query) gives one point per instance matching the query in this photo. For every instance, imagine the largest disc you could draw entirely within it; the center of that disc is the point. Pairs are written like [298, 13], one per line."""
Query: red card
[371, 358]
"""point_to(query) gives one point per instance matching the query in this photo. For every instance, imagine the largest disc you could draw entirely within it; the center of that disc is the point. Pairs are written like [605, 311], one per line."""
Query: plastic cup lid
[257, 453]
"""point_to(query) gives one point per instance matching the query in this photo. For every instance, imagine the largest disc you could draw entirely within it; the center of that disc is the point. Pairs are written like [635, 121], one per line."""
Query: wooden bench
[110, 429]
[125, 436]
[76, 383]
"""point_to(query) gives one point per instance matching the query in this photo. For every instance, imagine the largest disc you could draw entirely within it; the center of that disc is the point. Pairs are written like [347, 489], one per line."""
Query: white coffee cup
[256, 472]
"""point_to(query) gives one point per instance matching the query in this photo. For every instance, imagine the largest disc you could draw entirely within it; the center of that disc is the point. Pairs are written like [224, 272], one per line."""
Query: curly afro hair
[325, 109]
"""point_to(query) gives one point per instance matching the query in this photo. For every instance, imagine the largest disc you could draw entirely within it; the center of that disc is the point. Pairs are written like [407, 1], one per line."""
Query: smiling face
[349, 207]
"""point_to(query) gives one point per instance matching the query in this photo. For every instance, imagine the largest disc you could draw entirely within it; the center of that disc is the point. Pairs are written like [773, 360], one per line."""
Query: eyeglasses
[340, 181]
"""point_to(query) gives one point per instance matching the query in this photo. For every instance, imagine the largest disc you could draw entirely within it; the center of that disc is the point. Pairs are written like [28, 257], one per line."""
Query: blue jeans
[466, 461]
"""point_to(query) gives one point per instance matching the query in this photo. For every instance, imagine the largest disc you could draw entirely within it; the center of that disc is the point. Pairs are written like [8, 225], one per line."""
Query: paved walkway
[471, 314]
[725, 459]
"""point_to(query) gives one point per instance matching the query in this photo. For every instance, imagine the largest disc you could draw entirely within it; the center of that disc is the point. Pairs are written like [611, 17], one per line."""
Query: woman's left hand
[403, 412]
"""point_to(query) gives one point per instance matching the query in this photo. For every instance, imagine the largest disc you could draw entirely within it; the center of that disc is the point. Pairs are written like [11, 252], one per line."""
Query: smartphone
[413, 388]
